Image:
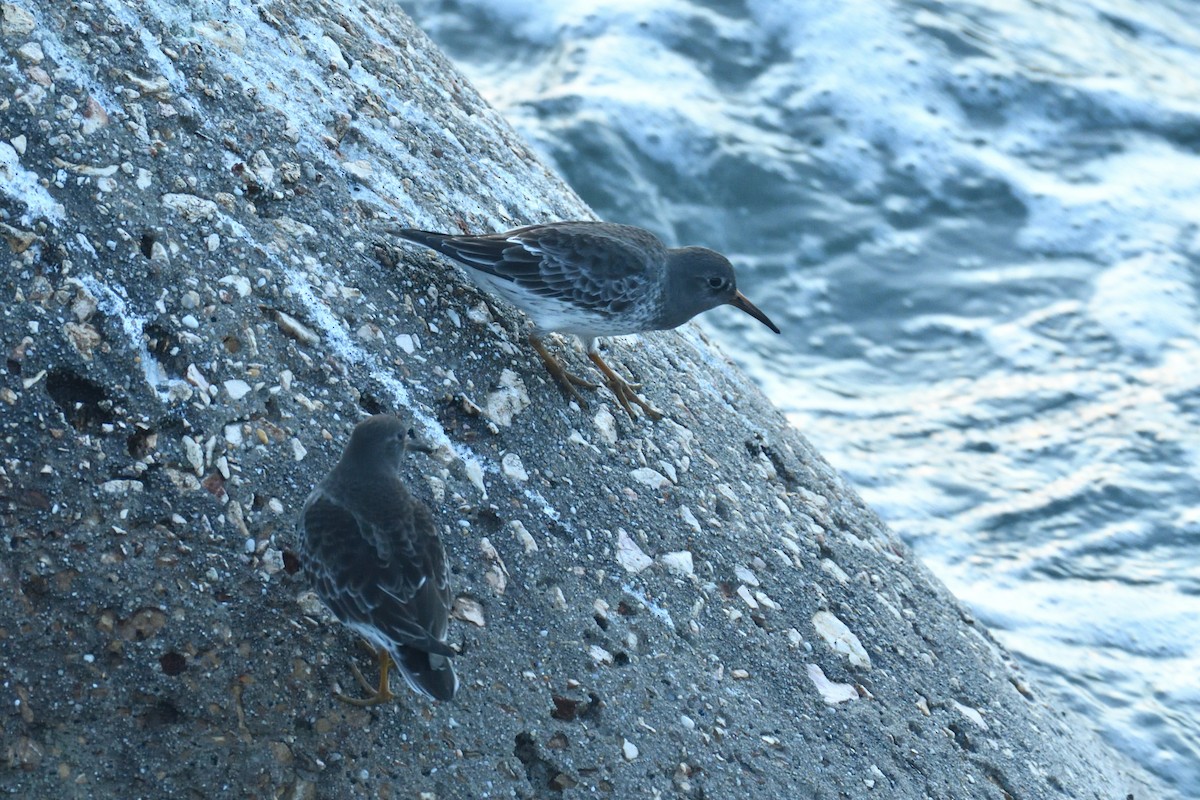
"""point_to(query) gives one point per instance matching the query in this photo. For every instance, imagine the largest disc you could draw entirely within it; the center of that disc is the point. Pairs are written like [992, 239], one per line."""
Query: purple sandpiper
[594, 279]
[373, 555]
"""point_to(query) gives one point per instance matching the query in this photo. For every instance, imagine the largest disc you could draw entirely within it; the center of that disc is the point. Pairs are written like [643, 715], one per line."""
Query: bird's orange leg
[622, 390]
[375, 696]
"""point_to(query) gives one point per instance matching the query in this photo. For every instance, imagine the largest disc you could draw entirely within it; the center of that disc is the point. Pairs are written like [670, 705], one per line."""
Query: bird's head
[704, 279]
[383, 439]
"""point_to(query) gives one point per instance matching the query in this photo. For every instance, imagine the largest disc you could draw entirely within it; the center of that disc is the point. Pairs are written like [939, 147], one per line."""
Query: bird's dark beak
[739, 301]
[415, 443]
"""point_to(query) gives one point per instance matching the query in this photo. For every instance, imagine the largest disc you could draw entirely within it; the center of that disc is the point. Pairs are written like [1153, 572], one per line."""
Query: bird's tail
[427, 238]
[428, 673]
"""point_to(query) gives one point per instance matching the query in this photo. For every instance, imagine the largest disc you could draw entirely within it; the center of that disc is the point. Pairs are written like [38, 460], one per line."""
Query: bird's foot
[376, 695]
[623, 390]
[566, 380]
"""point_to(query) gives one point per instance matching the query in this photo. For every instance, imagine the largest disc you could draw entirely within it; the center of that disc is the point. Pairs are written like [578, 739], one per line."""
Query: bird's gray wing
[582, 264]
[387, 571]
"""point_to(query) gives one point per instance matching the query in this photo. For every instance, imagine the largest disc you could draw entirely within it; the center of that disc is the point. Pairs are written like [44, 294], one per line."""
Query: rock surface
[197, 309]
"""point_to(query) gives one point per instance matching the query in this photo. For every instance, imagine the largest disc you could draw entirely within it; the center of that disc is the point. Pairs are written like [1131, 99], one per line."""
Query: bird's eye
[716, 283]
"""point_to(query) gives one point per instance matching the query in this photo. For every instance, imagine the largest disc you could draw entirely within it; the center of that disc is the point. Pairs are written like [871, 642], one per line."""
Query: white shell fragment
[629, 555]
[841, 639]
[237, 388]
[512, 468]
[679, 562]
[650, 477]
[832, 693]
[468, 610]
[509, 399]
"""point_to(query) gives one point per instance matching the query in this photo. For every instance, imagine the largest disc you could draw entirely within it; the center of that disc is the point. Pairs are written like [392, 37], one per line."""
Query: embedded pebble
[841, 639]
[600, 655]
[194, 455]
[606, 425]
[746, 576]
[406, 342]
[689, 518]
[234, 435]
[726, 492]
[295, 329]
[190, 207]
[678, 562]
[299, 451]
[468, 610]
[970, 713]
[650, 477]
[509, 399]
[121, 486]
[15, 21]
[832, 693]
[237, 388]
[523, 536]
[240, 284]
[557, 599]
[196, 378]
[31, 52]
[629, 750]
[629, 555]
[739, 674]
[512, 468]
[744, 593]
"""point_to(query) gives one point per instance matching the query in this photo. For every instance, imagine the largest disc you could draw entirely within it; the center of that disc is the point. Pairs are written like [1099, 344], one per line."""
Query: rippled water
[979, 225]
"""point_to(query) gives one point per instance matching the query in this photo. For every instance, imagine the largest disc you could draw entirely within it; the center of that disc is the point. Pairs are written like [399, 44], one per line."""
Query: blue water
[978, 224]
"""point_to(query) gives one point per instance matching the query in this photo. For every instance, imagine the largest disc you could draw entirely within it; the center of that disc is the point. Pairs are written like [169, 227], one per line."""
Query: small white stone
[739, 674]
[689, 518]
[121, 486]
[468, 610]
[748, 598]
[650, 477]
[600, 655]
[406, 342]
[725, 491]
[832, 693]
[558, 599]
[512, 468]
[194, 454]
[19, 144]
[678, 562]
[240, 284]
[509, 399]
[687, 722]
[746, 576]
[197, 378]
[275, 505]
[31, 52]
[629, 750]
[606, 425]
[212, 242]
[629, 555]
[298, 449]
[190, 321]
[971, 714]
[523, 536]
[237, 388]
[841, 639]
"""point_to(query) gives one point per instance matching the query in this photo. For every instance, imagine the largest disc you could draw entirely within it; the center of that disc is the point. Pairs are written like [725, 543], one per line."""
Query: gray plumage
[594, 279]
[372, 553]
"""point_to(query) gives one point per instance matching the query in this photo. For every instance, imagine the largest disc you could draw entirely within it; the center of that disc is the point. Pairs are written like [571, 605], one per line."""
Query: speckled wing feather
[578, 263]
[384, 568]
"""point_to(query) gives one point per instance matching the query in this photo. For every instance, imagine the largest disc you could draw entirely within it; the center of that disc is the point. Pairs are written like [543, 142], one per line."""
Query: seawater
[978, 224]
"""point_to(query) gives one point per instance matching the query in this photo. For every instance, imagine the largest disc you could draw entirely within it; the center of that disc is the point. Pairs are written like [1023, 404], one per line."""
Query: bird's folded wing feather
[389, 572]
[577, 267]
